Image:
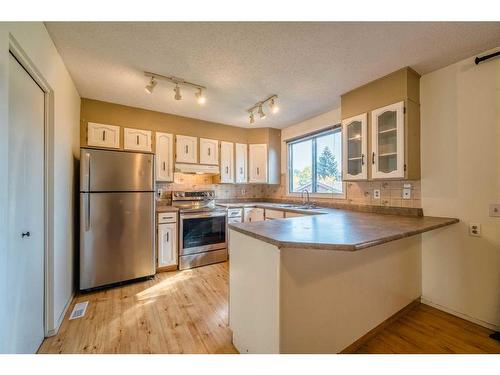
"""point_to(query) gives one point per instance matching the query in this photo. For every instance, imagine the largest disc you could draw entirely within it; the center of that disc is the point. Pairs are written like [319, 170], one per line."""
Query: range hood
[197, 168]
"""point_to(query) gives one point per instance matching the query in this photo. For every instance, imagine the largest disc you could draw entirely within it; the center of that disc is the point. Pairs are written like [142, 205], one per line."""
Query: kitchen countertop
[336, 229]
[164, 208]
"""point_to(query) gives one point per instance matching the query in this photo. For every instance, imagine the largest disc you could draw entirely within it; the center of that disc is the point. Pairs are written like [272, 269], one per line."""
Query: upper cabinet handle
[164, 166]
[137, 139]
[241, 170]
[373, 157]
[362, 159]
[257, 170]
[104, 135]
[187, 148]
[209, 151]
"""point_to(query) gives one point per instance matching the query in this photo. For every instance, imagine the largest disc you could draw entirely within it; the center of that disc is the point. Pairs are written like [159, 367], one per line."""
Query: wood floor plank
[187, 312]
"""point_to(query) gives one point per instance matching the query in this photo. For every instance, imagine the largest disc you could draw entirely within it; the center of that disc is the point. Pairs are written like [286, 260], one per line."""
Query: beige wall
[34, 39]
[116, 114]
[460, 112]
[359, 193]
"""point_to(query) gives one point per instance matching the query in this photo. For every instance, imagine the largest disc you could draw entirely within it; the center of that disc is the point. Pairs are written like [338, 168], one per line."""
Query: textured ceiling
[308, 65]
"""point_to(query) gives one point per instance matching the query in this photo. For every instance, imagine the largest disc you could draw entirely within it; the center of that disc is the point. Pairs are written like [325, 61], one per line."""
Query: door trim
[50, 326]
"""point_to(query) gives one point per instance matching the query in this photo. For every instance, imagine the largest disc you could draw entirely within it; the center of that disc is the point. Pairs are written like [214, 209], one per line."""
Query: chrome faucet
[304, 202]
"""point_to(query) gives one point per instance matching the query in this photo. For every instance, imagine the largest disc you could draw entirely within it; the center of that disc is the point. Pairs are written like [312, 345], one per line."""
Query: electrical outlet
[475, 229]
[495, 210]
[376, 194]
[406, 191]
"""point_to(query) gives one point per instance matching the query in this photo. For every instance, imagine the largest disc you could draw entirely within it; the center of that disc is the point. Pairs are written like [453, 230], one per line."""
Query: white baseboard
[53, 332]
[460, 315]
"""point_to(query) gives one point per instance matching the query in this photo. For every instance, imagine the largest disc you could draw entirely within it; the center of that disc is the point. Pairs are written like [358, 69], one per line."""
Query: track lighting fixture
[149, 88]
[274, 107]
[261, 112]
[259, 108]
[177, 91]
[200, 94]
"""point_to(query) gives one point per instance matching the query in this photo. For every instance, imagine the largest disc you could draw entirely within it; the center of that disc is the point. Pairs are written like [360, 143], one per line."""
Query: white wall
[36, 43]
[460, 114]
[308, 126]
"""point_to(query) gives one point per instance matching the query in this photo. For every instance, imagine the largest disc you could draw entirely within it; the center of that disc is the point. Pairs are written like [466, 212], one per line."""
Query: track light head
[149, 88]
[252, 118]
[274, 107]
[261, 112]
[177, 91]
[200, 96]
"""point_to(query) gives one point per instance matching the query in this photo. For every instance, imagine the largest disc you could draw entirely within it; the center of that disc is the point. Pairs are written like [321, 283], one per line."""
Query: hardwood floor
[176, 312]
[187, 312]
[426, 330]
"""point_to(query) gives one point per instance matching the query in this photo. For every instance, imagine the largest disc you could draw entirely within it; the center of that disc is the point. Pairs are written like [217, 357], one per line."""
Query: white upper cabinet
[209, 151]
[227, 162]
[164, 157]
[388, 154]
[102, 135]
[257, 163]
[354, 134]
[137, 139]
[241, 163]
[186, 149]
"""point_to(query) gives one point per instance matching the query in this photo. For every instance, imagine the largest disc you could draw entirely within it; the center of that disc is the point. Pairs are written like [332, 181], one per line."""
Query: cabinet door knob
[25, 234]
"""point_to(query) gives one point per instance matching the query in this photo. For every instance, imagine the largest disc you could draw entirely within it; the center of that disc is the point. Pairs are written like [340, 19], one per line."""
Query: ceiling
[308, 65]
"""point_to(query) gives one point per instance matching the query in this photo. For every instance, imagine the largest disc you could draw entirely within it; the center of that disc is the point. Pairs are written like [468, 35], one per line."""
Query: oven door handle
[199, 215]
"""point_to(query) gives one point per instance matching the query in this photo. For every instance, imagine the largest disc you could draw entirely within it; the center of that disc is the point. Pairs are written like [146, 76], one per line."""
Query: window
[315, 163]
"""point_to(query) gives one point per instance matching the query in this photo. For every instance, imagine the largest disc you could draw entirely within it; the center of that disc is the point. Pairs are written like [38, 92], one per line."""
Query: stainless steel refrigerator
[117, 238]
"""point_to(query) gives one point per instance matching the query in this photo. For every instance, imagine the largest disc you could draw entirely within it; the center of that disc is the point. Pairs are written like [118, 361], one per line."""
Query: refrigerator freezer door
[107, 170]
[116, 237]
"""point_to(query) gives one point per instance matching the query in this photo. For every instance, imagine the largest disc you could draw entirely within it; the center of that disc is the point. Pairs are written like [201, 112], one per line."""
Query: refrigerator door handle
[87, 174]
[86, 203]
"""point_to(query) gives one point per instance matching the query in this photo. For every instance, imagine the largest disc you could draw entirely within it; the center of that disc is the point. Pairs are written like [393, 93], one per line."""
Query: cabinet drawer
[274, 214]
[167, 217]
[234, 212]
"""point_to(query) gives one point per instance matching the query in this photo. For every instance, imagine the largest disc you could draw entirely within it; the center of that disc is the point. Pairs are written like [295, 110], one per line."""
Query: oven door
[200, 232]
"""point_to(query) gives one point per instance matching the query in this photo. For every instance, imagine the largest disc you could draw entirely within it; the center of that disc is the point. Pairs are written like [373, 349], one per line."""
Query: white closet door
[24, 301]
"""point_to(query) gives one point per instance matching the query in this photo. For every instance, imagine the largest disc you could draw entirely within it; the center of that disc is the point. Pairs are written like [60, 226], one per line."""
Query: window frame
[313, 136]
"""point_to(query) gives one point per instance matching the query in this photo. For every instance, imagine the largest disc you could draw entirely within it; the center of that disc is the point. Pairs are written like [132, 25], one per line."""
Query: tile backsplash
[206, 182]
[358, 193]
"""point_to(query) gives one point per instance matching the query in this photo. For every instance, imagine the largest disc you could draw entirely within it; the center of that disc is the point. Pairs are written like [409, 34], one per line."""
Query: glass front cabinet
[354, 145]
[387, 142]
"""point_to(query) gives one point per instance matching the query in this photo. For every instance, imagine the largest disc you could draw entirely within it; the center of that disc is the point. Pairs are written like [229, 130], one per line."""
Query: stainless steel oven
[202, 229]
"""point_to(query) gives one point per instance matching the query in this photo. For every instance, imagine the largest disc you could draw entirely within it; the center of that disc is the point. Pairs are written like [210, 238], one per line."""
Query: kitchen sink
[298, 206]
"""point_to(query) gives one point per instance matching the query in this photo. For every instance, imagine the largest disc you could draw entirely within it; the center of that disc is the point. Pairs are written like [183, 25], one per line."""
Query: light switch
[475, 229]
[495, 210]
[376, 194]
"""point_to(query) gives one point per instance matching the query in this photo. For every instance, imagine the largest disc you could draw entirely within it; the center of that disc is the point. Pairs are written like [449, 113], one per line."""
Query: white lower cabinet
[253, 214]
[167, 244]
